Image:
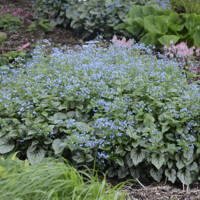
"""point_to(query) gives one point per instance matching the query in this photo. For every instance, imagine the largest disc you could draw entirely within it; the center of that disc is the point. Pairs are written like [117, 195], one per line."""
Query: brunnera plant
[131, 113]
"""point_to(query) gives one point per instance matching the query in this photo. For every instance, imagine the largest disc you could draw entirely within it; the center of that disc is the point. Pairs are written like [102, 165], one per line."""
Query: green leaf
[35, 156]
[193, 167]
[190, 21]
[89, 158]
[120, 26]
[188, 154]
[60, 116]
[179, 163]
[135, 172]
[83, 127]
[185, 177]
[137, 156]
[197, 38]
[111, 172]
[79, 158]
[149, 38]
[58, 146]
[120, 161]
[171, 175]
[5, 146]
[155, 24]
[170, 137]
[158, 160]
[169, 164]
[156, 174]
[122, 172]
[148, 120]
[179, 130]
[165, 39]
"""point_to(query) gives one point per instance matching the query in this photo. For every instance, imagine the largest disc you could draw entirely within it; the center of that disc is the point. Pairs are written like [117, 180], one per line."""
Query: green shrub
[86, 17]
[52, 180]
[135, 113]
[150, 25]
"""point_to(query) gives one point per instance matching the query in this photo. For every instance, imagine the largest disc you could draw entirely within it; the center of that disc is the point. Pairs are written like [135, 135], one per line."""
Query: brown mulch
[62, 36]
[16, 39]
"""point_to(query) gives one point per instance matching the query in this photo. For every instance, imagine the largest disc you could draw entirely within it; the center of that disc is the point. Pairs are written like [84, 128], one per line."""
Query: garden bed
[60, 36]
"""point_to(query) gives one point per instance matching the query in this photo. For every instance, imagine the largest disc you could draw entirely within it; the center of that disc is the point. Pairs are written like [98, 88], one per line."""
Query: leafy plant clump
[120, 107]
[86, 17]
[53, 179]
[9, 22]
[157, 27]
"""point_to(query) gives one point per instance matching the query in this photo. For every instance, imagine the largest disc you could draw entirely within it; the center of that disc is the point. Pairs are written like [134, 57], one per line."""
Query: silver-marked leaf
[120, 161]
[35, 156]
[135, 173]
[58, 146]
[137, 156]
[171, 175]
[83, 127]
[193, 167]
[111, 172]
[5, 146]
[179, 163]
[122, 172]
[129, 161]
[156, 174]
[89, 158]
[158, 160]
[185, 176]
[189, 154]
[169, 164]
[71, 114]
[60, 116]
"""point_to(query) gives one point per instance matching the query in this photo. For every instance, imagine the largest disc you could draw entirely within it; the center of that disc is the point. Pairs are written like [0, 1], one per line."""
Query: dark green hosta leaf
[5, 146]
[165, 39]
[149, 38]
[122, 172]
[185, 176]
[58, 146]
[83, 127]
[156, 174]
[190, 21]
[135, 172]
[158, 160]
[196, 38]
[171, 175]
[36, 155]
[137, 156]
[156, 24]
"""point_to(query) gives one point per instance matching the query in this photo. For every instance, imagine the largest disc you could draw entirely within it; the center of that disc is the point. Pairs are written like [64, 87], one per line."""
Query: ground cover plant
[52, 179]
[135, 114]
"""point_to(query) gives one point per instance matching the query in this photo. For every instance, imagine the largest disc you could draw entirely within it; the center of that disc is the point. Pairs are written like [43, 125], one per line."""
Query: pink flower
[26, 15]
[14, 14]
[28, 21]
[22, 18]
[122, 42]
[20, 10]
